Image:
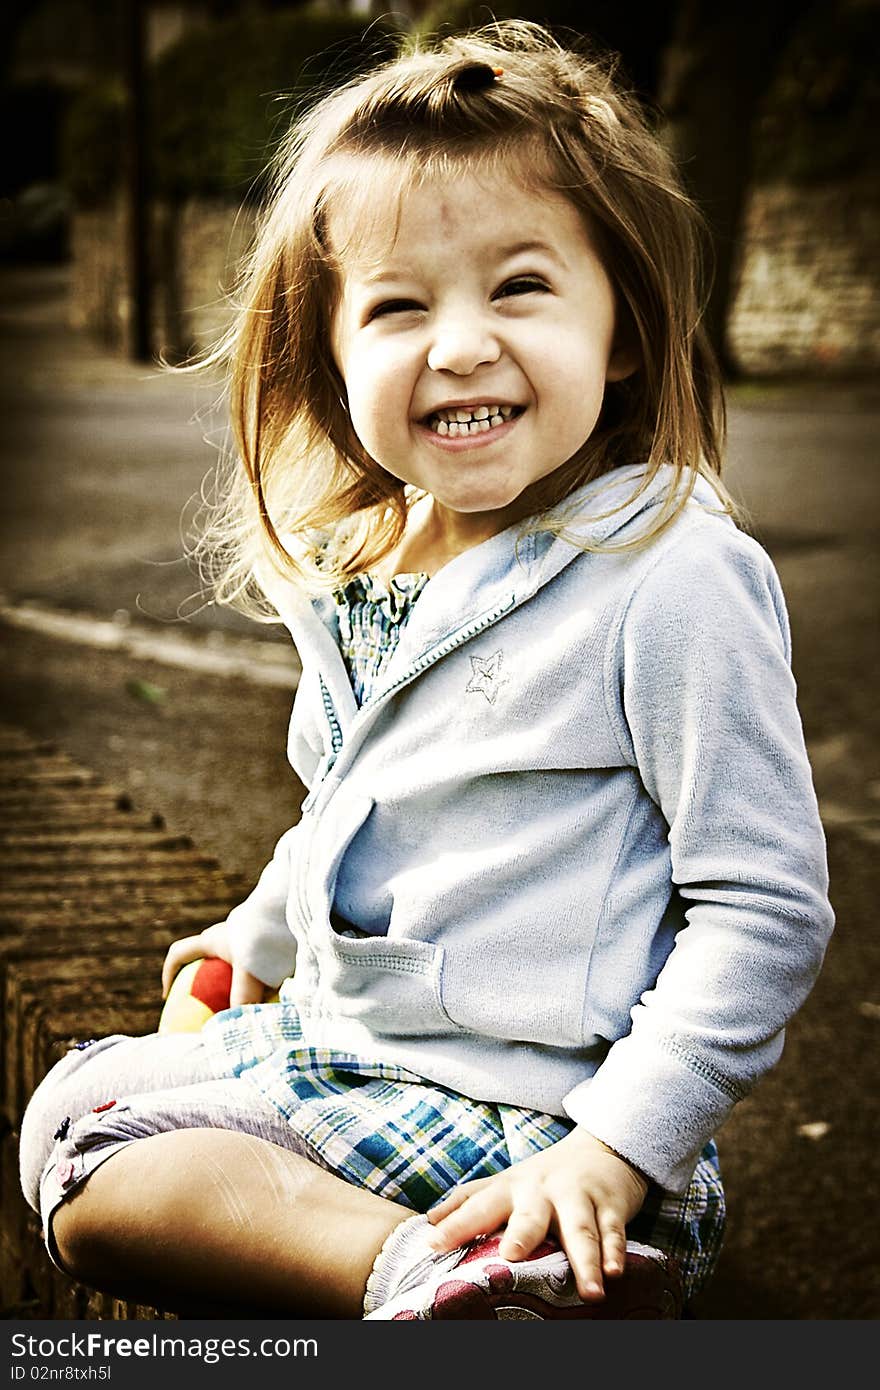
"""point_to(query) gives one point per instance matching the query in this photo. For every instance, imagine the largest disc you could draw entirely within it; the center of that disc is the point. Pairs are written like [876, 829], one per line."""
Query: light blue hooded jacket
[571, 846]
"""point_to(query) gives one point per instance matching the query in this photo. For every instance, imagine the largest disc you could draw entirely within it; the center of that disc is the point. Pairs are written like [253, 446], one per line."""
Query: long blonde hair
[555, 119]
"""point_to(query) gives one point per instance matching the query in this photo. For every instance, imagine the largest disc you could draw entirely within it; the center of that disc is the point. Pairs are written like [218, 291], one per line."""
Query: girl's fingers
[180, 953]
[582, 1243]
[478, 1215]
[452, 1201]
[245, 987]
[209, 942]
[526, 1228]
[613, 1238]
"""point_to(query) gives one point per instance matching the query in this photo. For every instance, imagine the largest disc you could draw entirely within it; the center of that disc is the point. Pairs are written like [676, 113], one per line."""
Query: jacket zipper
[332, 720]
[464, 634]
[457, 639]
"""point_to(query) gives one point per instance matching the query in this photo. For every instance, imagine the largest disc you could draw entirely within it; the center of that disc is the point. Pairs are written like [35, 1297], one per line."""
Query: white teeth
[460, 416]
[458, 421]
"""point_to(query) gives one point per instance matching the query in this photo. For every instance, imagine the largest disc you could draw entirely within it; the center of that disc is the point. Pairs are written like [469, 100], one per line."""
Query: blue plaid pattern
[371, 619]
[383, 1128]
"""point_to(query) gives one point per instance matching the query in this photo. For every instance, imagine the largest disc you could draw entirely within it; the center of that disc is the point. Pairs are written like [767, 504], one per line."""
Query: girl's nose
[461, 344]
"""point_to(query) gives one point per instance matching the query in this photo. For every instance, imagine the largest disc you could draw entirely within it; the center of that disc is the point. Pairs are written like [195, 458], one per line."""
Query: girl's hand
[579, 1188]
[213, 941]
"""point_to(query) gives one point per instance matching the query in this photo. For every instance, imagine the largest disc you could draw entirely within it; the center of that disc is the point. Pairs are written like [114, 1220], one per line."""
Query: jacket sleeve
[704, 702]
[260, 938]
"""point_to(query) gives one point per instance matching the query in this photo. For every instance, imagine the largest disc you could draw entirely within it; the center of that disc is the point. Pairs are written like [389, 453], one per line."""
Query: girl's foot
[479, 1284]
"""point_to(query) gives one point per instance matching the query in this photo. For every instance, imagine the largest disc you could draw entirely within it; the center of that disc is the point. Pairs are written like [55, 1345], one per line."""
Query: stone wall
[806, 301]
[98, 300]
[195, 250]
[94, 892]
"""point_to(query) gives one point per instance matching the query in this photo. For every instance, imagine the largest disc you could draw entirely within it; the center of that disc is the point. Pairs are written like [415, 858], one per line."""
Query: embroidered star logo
[486, 678]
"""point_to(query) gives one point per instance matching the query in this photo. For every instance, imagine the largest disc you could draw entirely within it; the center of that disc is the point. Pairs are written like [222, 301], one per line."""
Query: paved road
[101, 458]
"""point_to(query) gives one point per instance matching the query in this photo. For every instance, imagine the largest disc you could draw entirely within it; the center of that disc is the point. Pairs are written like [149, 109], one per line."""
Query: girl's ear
[624, 357]
[622, 363]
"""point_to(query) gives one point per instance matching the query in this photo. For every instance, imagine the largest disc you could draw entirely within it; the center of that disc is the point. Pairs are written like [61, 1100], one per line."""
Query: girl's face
[475, 332]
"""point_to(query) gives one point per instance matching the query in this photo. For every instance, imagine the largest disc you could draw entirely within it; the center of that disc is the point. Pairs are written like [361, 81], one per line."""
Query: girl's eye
[392, 306]
[522, 284]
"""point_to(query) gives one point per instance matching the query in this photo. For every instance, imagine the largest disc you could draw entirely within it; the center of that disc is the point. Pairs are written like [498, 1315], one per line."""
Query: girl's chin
[502, 506]
[467, 502]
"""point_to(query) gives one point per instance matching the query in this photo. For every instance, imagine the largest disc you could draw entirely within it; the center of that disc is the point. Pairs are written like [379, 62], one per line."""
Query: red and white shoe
[482, 1285]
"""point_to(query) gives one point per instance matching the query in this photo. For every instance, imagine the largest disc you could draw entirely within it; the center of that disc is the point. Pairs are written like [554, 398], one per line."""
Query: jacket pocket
[391, 987]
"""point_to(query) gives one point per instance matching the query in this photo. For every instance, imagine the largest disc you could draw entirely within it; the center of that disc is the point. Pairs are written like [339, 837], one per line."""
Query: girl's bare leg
[193, 1217]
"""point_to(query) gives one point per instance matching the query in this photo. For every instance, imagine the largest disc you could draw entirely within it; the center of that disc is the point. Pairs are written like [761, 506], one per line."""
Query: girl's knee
[78, 1241]
[72, 1241]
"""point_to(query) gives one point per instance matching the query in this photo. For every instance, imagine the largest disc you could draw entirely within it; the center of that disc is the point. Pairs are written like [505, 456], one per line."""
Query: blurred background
[135, 139]
[141, 127]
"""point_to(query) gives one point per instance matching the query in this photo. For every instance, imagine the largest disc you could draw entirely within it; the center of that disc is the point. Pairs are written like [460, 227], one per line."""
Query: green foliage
[452, 16]
[820, 118]
[225, 94]
[146, 692]
[223, 98]
[66, 34]
[91, 142]
[220, 99]
[635, 33]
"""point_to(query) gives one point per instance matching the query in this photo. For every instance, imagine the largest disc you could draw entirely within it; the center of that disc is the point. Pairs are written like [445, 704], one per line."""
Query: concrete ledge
[91, 894]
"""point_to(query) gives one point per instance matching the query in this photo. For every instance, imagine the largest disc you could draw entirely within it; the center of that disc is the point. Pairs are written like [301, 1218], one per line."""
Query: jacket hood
[504, 571]
[618, 501]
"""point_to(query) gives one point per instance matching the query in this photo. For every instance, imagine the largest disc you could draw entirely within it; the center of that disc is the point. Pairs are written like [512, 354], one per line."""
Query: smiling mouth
[458, 421]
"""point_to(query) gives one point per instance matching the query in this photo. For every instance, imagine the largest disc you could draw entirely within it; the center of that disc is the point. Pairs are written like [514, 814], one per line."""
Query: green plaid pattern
[371, 620]
[383, 1128]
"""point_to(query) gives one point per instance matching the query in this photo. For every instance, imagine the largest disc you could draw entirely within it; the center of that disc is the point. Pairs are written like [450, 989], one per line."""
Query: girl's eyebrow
[519, 248]
[382, 274]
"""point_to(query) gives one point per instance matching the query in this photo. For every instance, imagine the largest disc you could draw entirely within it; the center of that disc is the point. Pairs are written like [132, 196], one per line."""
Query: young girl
[559, 880]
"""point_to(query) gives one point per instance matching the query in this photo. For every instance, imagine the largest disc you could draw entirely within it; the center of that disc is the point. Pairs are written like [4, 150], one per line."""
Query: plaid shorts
[383, 1128]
